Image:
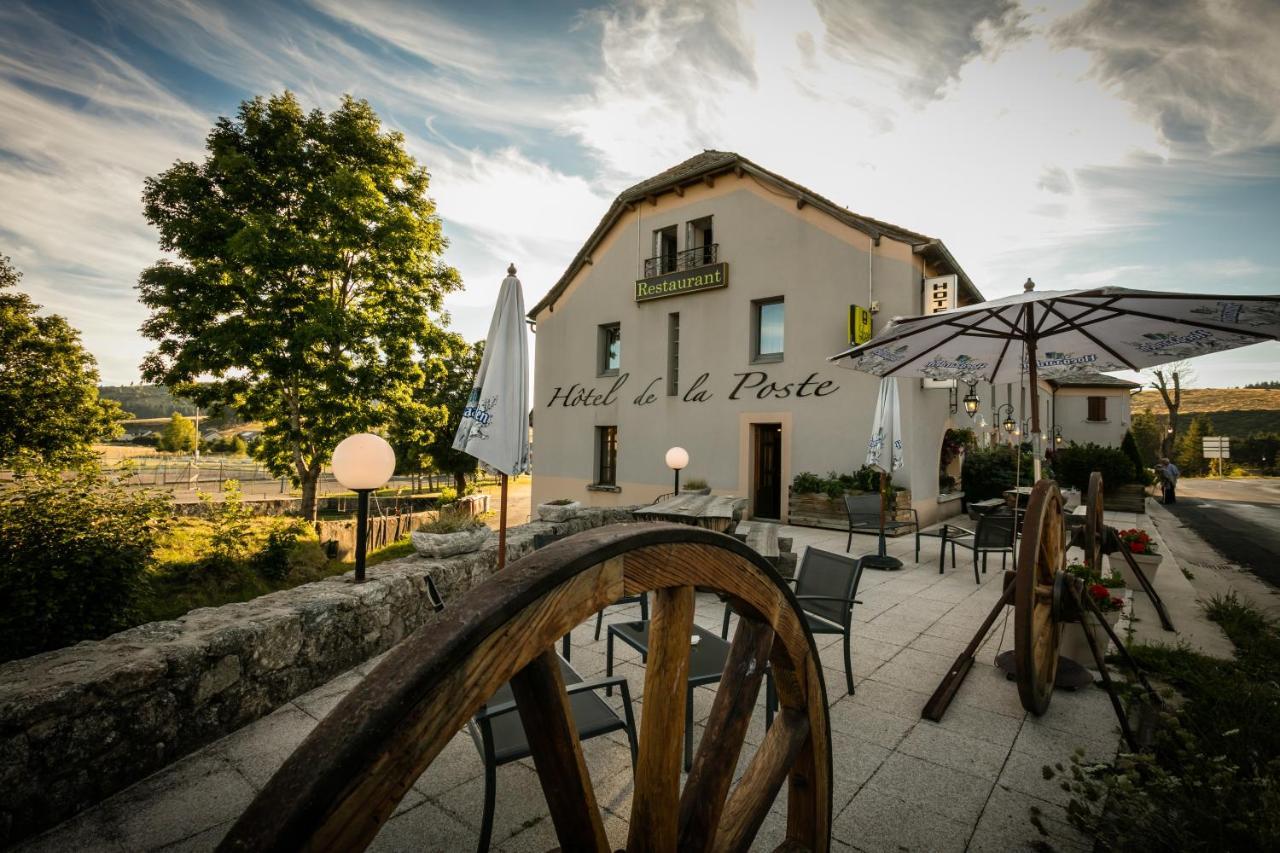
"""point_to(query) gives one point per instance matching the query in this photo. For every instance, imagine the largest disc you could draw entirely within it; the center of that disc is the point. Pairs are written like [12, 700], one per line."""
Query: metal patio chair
[994, 535]
[865, 517]
[826, 585]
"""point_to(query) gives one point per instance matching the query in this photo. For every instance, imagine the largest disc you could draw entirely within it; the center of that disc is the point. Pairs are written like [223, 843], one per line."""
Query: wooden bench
[762, 537]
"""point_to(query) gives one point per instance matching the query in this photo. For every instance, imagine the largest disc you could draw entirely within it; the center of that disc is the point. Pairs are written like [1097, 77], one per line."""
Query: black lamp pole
[362, 530]
[677, 470]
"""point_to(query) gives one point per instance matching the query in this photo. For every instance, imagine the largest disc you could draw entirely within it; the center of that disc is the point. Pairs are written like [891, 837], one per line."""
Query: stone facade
[80, 723]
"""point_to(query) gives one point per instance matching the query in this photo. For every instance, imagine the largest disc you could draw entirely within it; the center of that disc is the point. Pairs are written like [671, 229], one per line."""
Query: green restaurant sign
[684, 281]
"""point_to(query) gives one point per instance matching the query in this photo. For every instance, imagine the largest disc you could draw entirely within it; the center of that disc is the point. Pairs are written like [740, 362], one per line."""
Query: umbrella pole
[1030, 341]
[502, 525]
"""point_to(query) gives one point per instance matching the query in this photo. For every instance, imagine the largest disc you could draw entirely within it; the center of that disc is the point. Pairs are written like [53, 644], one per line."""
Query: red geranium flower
[1137, 547]
[1097, 590]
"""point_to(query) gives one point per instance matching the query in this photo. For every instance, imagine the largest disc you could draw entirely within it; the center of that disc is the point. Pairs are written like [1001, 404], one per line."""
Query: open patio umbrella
[884, 453]
[495, 422]
[1059, 334]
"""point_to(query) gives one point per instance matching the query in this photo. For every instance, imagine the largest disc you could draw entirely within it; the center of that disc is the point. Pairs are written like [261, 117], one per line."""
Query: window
[664, 250]
[698, 235]
[673, 354]
[606, 456]
[766, 330]
[610, 349]
[1097, 408]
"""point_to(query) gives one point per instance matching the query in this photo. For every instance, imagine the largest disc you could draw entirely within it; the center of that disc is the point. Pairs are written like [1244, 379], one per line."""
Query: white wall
[772, 249]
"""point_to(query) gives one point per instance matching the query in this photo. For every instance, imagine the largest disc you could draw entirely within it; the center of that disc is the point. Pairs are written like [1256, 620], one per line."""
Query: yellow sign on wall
[859, 325]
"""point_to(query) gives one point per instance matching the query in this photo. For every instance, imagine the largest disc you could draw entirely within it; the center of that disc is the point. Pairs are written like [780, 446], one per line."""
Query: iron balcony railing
[698, 256]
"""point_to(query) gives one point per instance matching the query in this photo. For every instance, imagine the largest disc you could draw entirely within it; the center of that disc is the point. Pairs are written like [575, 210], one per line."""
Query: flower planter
[1075, 646]
[816, 509]
[448, 544]
[558, 512]
[1149, 563]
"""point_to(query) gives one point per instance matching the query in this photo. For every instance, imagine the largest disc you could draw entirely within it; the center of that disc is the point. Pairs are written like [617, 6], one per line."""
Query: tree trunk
[310, 487]
[460, 482]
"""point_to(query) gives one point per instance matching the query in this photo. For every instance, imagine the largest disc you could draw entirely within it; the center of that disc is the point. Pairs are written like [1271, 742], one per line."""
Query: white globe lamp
[677, 459]
[363, 462]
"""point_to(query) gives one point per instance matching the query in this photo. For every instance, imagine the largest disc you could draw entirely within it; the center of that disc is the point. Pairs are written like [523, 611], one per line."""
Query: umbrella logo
[481, 412]
[1167, 343]
[963, 365]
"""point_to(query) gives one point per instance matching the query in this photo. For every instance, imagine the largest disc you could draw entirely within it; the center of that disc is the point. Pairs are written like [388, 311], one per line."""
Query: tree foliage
[1189, 454]
[308, 268]
[74, 553]
[1129, 446]
[179, 435]
[423, 444]
[50, 411]
[1148, 433]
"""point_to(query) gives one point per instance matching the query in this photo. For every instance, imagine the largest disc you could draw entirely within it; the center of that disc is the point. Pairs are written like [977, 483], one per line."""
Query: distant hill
[1236, 412]
[155, 401]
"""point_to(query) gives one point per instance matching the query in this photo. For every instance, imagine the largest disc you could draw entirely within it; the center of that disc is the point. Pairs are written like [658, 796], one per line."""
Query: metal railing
[698, 256]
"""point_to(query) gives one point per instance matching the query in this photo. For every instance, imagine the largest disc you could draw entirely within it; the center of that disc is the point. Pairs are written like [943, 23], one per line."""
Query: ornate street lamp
[677, 458]
[1057, 435]
[1008, 423]
[971, 402]
[363, 462]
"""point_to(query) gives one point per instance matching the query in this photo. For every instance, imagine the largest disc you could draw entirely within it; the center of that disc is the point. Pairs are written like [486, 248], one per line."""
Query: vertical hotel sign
[939, 296]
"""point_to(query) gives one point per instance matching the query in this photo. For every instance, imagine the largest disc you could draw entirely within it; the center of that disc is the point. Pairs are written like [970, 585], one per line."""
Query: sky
[1133, 142]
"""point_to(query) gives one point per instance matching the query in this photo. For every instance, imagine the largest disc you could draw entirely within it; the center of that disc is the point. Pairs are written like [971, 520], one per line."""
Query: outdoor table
[706, 664]
[1017, 497]
[979, 508]
[714, 512]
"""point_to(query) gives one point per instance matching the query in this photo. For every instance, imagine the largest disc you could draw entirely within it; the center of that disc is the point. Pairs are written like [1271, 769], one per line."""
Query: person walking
[1169, 474]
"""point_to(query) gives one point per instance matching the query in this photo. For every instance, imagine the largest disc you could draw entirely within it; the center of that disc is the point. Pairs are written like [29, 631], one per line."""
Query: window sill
[772, 358]
[600, 487]
[1098, 422]
[605, 373]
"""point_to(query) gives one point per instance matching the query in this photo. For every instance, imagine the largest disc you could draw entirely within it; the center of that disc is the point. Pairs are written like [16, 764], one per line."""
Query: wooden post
[502, 526]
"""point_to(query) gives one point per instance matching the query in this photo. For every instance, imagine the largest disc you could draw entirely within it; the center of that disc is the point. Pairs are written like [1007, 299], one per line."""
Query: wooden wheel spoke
[712, 773]
[656, 805]
[774, 760]
[557, 753]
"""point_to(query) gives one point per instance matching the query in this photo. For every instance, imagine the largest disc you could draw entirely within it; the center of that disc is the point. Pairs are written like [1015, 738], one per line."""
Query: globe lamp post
[363, 462]
[677, 458]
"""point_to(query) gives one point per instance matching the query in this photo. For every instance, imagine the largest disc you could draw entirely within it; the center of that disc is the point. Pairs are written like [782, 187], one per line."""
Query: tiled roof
[1092, 380]
[711, 163]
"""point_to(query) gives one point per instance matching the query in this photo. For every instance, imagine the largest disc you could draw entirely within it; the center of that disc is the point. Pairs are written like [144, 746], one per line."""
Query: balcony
[689, 259]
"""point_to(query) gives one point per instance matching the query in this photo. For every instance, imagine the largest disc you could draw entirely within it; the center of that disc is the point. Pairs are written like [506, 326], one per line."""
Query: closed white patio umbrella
[495, 422]
[884, 453]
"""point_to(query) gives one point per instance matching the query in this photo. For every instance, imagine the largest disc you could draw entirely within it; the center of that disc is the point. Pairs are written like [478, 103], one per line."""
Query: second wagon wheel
[343, 782]
[1094, 524]
[1041, 560]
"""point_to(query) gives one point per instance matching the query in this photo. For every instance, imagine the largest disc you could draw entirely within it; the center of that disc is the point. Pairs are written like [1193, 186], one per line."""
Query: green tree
[50, 411]
[1147, 435]
[427, 444]
[179, 435]
[1129, 446]
[308, 268]
[1190, 450]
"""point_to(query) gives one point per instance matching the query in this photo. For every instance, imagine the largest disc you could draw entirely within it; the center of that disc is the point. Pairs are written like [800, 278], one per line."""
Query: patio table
[945, 532]
[706, 664]
[714, 512]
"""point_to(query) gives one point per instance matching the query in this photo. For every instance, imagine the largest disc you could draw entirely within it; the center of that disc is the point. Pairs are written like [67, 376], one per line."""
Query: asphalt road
[1239, 518]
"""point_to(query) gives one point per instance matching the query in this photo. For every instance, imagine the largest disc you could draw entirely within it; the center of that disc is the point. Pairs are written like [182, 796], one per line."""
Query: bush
[695, 484]
[73, 558]
[451, 522]
[1074, 464]
[988, 472]
[1211, 780]
[448, 495]
[275, 559]
[865, 479]
[1129, 447]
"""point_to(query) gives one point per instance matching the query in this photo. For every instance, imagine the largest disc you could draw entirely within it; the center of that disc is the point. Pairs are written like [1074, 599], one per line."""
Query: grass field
[1237, 412]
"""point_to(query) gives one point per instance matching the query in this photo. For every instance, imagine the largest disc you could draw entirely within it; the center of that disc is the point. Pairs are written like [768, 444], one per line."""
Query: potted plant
[1107, 592]
[1143, 549]
[449, 534]
[561, 509]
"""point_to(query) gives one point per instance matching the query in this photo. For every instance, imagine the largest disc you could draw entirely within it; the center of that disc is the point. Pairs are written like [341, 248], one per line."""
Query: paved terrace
[900, 782]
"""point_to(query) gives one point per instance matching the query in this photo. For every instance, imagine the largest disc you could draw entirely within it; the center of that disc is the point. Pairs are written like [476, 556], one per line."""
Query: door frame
[746, 458]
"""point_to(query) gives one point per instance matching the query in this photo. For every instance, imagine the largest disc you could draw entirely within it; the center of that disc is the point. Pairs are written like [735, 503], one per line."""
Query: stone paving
[900, 782]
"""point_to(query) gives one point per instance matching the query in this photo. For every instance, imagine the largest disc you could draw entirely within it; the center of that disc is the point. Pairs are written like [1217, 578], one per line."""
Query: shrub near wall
[1074, 464]
[73, 557]
[989, 471]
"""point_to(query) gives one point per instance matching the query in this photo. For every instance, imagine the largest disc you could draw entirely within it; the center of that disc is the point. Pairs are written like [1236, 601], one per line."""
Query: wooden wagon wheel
[1036, 626]
[1095, 526]
[344, 781]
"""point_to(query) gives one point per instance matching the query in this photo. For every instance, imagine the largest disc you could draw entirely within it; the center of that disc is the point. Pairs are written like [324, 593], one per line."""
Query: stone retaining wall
[80, 723]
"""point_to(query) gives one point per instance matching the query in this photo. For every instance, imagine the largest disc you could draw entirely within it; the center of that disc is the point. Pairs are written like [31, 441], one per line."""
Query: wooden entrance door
[766, 498]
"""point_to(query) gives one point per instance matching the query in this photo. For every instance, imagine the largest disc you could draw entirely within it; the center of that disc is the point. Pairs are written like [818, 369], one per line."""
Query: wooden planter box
[815, 509]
